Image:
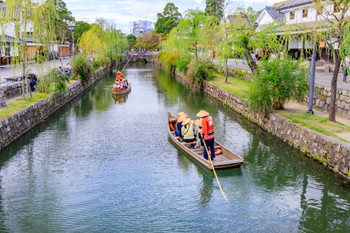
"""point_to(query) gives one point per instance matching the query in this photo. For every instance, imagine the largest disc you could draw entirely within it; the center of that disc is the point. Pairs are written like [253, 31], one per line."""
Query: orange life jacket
[119, 76]
[208, 128]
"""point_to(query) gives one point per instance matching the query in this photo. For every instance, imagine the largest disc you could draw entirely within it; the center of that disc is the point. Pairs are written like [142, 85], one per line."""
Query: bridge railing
[140, 53]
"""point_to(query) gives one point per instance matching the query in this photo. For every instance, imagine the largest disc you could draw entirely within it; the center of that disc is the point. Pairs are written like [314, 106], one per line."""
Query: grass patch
[19, 104]
[233, 85]
[318, 124]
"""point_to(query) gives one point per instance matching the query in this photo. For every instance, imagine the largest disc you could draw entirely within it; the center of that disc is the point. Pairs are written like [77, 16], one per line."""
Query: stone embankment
[13, 127]
[331, 152]
[322, 99]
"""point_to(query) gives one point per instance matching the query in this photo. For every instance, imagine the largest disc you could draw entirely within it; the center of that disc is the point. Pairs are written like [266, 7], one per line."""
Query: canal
[107, 165]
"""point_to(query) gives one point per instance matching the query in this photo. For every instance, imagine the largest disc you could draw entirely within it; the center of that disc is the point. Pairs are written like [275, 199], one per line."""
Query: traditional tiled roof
[272, 11]
[277, 4]
[294, 3]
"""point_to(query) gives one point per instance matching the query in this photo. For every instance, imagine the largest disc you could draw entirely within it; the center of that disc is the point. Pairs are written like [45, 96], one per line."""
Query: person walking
[207, 133]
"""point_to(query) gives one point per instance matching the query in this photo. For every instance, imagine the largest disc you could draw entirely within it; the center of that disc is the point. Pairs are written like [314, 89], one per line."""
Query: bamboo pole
[212, 165]
[126, 63]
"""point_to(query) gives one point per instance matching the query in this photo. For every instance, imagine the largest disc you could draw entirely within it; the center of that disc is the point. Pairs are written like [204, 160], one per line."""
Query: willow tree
[103, 40]
[27, 22]
[90, 42]
[189, 31]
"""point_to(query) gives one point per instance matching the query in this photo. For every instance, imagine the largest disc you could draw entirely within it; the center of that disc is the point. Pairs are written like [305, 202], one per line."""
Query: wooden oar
[212, 165]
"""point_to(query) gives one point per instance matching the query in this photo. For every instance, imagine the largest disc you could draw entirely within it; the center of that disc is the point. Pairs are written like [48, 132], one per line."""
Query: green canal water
[106, 165]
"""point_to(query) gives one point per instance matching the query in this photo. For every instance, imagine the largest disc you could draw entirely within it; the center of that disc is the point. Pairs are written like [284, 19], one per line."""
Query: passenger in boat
[119, 76]
[126, 84]
[207, 133]
[181, 118]
[187, 130]
[122, 87]
[115, 86]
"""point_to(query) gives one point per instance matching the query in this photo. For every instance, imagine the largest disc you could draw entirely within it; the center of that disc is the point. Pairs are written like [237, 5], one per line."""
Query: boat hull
[121, 92]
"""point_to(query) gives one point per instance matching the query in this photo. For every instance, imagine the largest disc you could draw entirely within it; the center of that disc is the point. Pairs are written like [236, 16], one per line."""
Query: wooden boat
[121, 92]
[226, 159]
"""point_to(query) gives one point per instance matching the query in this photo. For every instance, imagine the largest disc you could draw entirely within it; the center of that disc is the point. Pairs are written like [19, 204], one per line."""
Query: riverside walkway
[7, 72]
[322, 79]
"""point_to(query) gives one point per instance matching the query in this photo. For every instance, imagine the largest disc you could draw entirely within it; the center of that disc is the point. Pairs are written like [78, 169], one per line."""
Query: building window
[292, 15]
[305, 11]
[336, 8]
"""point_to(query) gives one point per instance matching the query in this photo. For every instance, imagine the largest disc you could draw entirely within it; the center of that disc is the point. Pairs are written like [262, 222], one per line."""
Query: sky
[122, 12]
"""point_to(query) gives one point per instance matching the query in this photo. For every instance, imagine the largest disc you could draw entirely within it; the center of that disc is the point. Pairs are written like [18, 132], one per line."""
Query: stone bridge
[136, 56]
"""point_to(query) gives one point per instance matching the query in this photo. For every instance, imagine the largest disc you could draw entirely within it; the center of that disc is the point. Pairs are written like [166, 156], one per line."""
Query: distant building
[137, 28]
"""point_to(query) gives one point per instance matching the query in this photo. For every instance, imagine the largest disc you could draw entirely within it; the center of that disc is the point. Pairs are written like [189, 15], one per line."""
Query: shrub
[169, 59]
[198, 71]
[239, 74]
[183, 62]
[105, 62]
[59, 79]
[96, 65]
[278, 81]
[82, 69]
[44, 85]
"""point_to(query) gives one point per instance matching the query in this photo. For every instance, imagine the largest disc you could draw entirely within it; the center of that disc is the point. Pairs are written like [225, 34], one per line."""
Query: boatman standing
[119, 76]
[207, 133]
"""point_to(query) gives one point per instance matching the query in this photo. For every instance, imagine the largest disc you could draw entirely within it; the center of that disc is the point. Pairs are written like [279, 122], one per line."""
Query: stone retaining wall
[13, 127]
[331, 152]
[12, 89]
[322, 99]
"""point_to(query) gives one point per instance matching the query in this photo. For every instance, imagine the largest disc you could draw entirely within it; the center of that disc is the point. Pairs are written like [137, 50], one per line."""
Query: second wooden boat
[121, 92]
[226, 159]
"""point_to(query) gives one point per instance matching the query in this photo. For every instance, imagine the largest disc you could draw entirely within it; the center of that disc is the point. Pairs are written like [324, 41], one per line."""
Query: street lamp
[201, 25]
[313, 68]
[72, 28]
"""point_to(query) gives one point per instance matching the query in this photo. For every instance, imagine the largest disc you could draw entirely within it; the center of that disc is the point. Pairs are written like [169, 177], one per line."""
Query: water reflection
[120, 99]
[71, 174]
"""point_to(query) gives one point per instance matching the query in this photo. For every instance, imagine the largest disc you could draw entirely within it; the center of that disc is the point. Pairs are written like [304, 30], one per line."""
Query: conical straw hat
[198, 122]
[202, 113]
[186, 121]
[183, 114]
[181, 118]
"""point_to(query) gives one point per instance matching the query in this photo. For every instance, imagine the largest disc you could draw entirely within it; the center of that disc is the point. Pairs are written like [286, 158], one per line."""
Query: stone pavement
[321, 79]
[6, 71]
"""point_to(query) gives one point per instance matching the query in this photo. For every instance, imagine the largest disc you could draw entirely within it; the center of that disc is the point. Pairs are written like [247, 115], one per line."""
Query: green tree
[103, 40]
[29, 21]
[168, 19]
[278, 81]
[80, 28]
[149, 40]
[131, 40]
[62, 21]
[215, 8]
[246, 38]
